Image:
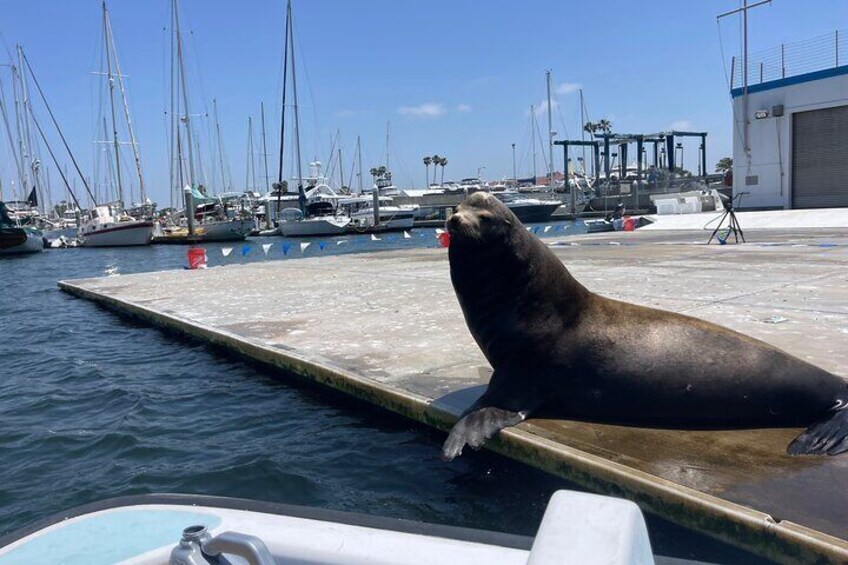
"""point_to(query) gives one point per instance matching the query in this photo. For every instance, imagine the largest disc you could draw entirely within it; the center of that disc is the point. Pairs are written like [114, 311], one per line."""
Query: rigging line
[305, 67]
[9, 131]
[55, 123]
[68, 186]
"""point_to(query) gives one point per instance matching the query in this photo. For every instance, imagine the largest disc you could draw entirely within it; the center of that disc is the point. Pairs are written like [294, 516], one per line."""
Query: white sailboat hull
[129, 234]
[233, 230]
[314, 226]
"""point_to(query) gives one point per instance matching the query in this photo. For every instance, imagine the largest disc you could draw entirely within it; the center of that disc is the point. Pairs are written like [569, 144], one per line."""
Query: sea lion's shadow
[457, 401]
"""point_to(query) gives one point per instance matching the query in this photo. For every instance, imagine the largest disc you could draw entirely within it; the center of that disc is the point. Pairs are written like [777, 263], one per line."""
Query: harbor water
[94, 406]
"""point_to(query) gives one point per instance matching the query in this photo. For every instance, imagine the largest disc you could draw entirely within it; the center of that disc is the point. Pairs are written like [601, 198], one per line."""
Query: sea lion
[560, 349]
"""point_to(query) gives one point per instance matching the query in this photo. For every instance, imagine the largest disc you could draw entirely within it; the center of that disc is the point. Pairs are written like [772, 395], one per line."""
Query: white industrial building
[796, 108]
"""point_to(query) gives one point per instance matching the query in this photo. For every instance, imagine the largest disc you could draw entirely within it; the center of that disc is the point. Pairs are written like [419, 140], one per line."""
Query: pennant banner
[245, 250]
[406, 235]
[322, 245]
[225, 251]
[286, 247]
[341, 242]
[547, 229]
[304, 245]
[266, 247]
[374, 237]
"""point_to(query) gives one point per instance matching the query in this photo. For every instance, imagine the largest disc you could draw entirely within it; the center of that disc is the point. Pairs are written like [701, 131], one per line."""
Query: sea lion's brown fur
[559, 348]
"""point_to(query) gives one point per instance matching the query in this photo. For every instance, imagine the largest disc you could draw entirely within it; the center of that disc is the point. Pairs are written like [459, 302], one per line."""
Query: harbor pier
[386, 328]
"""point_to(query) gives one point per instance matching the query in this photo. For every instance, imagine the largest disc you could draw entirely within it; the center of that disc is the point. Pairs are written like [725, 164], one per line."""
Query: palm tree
[427, 161]
[590, 127]
[443, 161]
[604, 125]
[436, 161]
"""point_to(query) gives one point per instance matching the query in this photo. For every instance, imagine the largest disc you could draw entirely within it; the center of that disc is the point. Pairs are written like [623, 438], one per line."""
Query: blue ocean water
[94, 406]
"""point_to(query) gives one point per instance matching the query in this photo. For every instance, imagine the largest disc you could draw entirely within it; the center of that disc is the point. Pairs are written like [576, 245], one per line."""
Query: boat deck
[386, 328]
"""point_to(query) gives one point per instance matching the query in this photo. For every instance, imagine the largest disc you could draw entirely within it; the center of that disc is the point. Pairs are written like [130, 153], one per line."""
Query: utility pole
[744, 10]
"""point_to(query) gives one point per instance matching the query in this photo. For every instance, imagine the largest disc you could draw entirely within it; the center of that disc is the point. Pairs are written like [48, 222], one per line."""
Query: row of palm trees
[436, 161]
[603, 125]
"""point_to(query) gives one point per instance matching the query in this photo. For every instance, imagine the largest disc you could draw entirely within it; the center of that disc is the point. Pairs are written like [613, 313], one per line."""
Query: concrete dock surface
[386, 328]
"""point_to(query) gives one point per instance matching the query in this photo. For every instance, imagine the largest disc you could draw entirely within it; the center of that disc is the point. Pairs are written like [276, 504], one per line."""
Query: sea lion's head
[481, 219]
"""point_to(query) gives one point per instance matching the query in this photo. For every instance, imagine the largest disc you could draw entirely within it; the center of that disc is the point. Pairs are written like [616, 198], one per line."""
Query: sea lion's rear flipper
[828, 436]
[477, 426]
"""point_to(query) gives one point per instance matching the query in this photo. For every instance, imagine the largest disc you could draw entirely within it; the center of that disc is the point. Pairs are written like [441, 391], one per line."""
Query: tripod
[732, 223]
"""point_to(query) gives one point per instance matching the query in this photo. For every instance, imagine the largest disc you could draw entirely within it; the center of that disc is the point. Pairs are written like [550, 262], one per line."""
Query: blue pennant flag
[536, 229]
[322, 245]
[245, 250]
[286, 247]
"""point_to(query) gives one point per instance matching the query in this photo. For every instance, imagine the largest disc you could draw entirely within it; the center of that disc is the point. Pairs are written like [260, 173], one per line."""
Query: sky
[450, 77]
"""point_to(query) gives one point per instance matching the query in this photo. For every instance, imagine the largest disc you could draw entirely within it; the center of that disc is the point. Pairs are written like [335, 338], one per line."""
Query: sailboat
[15, 239]
[310, 218]
[109, 225]
[205, 218]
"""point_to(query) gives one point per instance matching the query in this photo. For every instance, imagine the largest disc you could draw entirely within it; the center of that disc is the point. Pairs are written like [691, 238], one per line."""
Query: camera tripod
[732, 223]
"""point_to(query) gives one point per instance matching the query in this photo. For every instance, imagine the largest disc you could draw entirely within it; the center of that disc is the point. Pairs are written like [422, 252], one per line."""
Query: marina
[720, 482]
[609, 326]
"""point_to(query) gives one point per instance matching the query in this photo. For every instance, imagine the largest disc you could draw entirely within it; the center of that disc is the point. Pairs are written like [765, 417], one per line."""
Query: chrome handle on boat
[197, 544]
[248, 547]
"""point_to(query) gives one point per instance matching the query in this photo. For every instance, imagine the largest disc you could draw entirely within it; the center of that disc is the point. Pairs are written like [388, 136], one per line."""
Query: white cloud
[568, 88]
[542, 108]
[681, 125]
[428, 110]
[463, 108]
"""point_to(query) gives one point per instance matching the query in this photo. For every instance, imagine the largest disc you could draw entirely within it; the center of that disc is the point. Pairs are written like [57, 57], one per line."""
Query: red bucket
[196, 258]
[629, 223]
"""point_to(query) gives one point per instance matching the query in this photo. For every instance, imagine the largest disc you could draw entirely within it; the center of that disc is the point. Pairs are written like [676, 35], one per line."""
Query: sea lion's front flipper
[827, 436]
[477, 426]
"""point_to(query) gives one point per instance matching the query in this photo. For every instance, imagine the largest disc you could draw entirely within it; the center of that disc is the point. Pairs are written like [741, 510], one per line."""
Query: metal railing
[792, 59]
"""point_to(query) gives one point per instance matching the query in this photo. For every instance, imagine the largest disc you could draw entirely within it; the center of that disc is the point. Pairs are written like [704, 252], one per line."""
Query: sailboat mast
[110, 79]
[181, 72]
[388, 124]
[220, 143]
[583, 122]
[133, 142]
[250, 174]
[533, 138]
[294, 96]
[341, 169]
[359, 156]
[27, 134]
[264, 144]
[9, 132]
[550, 134]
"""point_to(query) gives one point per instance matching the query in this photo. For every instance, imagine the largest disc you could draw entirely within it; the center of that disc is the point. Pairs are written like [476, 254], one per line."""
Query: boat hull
[314, 227]
[19, 241]
[131, 235]
[234, 230]
[147, 529]
[534, 213]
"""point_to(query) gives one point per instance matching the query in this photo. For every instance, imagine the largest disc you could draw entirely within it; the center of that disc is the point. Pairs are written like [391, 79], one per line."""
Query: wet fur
[556, 347]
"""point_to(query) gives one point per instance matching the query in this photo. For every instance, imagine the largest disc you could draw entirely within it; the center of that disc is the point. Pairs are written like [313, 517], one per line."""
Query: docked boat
[214, 220]
[320, 219]
[15, 239]
[108, 226]
[529, 210]
[577, 528]
[389, 217]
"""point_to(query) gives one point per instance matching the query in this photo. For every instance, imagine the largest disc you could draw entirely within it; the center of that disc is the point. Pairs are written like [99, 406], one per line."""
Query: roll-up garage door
[820, 158]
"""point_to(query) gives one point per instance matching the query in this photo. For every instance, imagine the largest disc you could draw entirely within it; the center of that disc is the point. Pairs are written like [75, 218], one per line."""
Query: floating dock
[386, 328]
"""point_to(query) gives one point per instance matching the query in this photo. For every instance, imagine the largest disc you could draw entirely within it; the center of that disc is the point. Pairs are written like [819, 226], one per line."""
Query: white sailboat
[205, 218]
[310, 218]
[108, 225]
